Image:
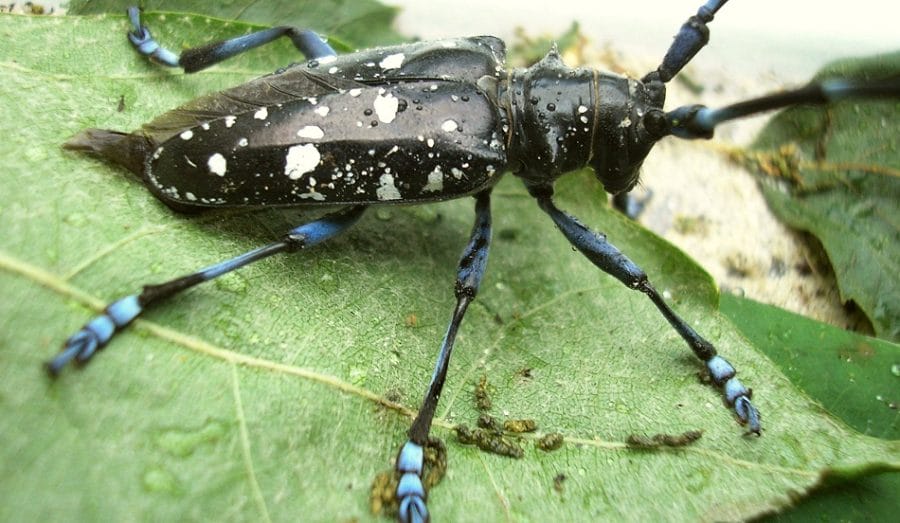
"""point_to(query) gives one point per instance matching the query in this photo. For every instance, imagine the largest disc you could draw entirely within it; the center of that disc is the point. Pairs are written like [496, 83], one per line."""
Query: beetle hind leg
[85, 343]
[191, 60]
[411, 459]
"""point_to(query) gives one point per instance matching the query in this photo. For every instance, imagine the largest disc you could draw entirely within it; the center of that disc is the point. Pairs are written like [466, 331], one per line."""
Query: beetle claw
[748, 414]
[140, 34]
[80, 347]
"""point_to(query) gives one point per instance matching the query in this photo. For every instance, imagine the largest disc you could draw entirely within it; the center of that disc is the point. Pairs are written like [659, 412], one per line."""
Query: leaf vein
[245, 444]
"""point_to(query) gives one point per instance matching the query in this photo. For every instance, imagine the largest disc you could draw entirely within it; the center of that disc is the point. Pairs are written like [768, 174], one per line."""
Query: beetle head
[621, 139]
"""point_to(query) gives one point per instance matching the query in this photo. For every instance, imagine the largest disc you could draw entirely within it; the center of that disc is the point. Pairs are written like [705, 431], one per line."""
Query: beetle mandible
[419, 122]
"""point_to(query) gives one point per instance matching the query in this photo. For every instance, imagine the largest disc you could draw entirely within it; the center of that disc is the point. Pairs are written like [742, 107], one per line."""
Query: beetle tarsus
[82, 345]
[410, 490]
[736, 394]
[144, 42]
[82, 342]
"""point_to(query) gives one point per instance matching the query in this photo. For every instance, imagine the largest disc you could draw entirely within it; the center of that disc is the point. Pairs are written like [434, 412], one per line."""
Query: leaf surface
[853, 376]
[835, 172]
[350, 25]
[283, 389]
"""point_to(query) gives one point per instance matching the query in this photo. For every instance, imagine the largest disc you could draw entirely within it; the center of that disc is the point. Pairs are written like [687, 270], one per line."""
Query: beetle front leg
[82, 346]
[192, 60]
[608, 258]
[411, 459]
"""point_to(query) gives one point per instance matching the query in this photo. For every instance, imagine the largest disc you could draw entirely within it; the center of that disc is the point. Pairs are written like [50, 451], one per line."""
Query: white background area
[778, 35]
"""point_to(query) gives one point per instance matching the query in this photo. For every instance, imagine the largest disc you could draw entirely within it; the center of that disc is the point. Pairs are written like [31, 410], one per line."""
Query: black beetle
[418, 122]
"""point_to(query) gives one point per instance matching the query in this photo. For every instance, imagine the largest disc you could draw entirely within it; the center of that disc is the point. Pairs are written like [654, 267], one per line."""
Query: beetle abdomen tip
[127, 150]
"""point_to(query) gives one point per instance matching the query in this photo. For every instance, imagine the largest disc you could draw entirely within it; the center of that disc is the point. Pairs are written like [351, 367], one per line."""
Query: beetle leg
[410, 461]
[608, 258]
[630, 205]
[96, 334]
[307, 42]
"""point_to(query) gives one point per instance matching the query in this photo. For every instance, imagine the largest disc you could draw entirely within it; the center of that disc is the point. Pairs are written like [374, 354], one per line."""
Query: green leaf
[854, 377]
[834, 172]
[354, 24]
[526, 50]
[265, 395]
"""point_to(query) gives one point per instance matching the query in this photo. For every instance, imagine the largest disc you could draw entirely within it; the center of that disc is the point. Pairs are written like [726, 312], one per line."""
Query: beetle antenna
[699, 121]
[693, 36]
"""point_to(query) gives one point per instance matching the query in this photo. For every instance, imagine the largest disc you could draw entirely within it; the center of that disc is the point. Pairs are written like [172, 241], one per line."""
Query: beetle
[419, 122]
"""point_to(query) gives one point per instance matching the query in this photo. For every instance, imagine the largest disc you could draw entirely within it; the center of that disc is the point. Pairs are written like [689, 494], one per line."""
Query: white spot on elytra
[229, 120]
[261, 114]
[187, 135]
[386, 107]
[217, 164]
[322, 110]
[430, 142]
[243, 142]
[387, 189]
[392, 61]
[626, 122]
[205, 126]
[435, 181]
[456, 173]
[190, 196]
[449, 126]
[333, 70]
[311, 131]
[355, 92]
[317, 196]
[582, 109]
[300, 160]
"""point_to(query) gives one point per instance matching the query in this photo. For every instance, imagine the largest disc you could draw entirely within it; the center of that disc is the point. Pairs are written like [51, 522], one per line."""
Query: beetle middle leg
[82, 346]
[192, 60]
[411, 459]
[630, 205]
[608, 258]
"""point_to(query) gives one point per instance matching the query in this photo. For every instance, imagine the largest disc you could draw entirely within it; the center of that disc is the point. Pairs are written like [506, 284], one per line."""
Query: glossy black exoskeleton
[419, 122]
